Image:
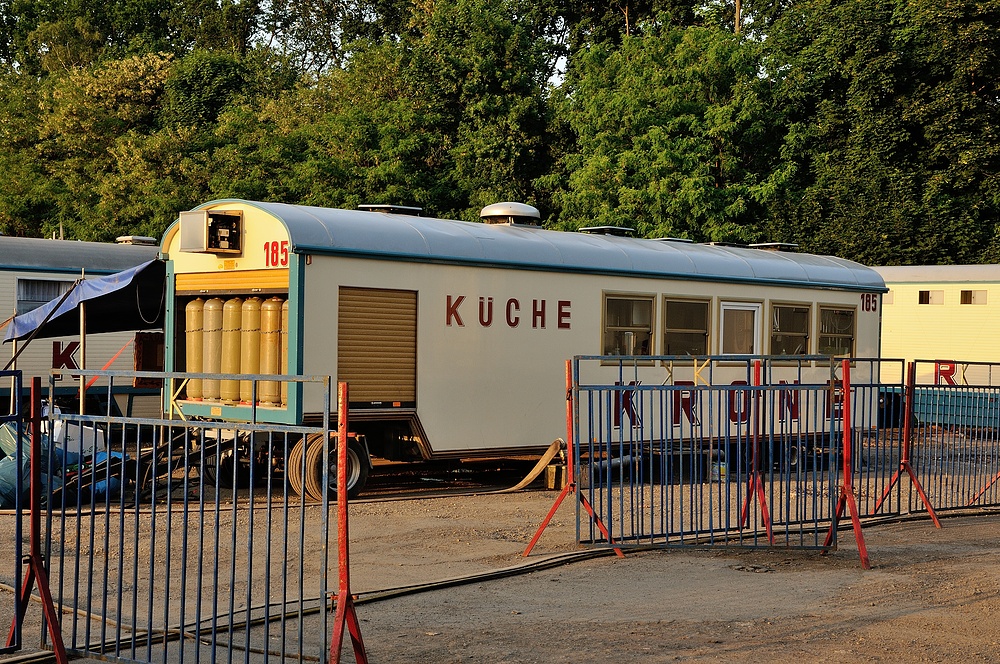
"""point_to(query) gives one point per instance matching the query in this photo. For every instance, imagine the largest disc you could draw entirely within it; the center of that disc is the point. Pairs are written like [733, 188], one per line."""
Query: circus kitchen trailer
[453, 335]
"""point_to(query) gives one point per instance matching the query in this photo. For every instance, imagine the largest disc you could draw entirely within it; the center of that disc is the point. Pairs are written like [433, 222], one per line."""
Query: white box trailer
[34, 271]
[453, 336]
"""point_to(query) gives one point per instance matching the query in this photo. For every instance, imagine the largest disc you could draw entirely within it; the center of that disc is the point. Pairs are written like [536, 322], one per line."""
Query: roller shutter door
[377, 346]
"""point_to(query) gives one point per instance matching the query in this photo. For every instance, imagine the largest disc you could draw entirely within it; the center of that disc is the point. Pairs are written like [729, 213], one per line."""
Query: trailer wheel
[219, 467]
[293, 467]
[357, 468]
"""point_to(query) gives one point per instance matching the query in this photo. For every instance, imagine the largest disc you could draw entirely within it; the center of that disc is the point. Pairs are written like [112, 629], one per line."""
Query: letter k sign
[62, 358]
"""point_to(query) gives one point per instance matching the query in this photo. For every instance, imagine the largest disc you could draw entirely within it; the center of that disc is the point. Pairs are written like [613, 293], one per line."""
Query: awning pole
[83, 349]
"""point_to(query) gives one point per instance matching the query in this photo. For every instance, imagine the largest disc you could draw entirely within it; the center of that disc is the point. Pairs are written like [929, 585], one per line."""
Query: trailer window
[33, 293]
[789, 330]
[930, 297]
[628, 325]
[836, 332]
[740, 333]
[973, 297]
[685, 327]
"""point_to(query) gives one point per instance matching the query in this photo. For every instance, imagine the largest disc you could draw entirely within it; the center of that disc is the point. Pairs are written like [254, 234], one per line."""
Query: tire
[357, 469]
[219, 466]
[293, 467]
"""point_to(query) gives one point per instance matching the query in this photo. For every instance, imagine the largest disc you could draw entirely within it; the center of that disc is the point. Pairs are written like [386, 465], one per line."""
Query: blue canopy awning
[126, 301]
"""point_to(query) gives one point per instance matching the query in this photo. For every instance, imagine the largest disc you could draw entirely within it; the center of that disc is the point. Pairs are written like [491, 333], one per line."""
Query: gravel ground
[932, 595]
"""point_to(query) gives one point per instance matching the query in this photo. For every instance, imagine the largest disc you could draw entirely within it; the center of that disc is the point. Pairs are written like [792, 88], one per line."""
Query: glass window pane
[685, 343]
[836, 332]
[738, 332]
[33, 293]
[627, 326]
[685, 328]
[687, 315]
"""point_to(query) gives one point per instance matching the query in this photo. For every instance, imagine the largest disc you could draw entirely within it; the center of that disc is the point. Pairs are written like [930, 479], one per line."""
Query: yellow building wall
[947, 331]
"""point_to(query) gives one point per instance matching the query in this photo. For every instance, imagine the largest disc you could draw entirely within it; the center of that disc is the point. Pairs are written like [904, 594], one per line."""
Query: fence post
[35, 563]
[755, 483]
[346, 614]
[847, 484]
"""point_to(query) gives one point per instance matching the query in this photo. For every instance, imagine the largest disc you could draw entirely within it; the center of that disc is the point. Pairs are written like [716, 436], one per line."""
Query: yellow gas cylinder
[232, 320]
[212, 357]
[284, 352]
[194, 329]
[250, 347]
[270, 349]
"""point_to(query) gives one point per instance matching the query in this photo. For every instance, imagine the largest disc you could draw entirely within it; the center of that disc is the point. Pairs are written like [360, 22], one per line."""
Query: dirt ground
[932, 595]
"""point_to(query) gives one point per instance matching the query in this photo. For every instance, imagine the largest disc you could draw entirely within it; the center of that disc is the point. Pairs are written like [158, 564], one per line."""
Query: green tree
[670, 130]
[890, 115]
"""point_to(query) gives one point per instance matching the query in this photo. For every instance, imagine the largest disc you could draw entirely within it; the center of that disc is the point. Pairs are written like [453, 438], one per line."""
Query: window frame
[24, 281]
[807, 336]
[756, 308]
[606, 328]
[968, 296]
[707, 302]
[854, 328]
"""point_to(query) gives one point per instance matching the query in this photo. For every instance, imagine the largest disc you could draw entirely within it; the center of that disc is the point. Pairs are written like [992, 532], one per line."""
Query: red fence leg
[755, 481]
[847, 486]
[345, 615]
[36, 565]
[570, 476]
[904, 461]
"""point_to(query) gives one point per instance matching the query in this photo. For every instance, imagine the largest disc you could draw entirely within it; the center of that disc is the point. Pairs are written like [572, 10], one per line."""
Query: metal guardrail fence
[955, 442]
[728, 450]
[173, 540]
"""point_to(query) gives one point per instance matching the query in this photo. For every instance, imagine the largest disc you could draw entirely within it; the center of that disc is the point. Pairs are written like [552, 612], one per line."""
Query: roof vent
[776, 246]
[682, 240]
[511, 214]
[142, 240]
[617, 231]
[391, 209]
[735, 245]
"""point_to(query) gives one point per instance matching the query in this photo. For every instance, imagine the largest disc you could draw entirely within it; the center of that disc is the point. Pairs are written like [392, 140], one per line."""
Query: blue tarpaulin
[126, 301]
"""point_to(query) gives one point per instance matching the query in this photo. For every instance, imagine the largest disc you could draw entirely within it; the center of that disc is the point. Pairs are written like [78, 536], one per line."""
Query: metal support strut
[570, 486]
[904, 461]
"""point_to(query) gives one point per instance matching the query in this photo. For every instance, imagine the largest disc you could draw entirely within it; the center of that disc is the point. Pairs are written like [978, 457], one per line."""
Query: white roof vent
[511, 214]
[137, 239]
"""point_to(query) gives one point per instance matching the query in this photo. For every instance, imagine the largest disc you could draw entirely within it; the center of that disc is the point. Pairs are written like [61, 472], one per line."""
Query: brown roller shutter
[377, 346]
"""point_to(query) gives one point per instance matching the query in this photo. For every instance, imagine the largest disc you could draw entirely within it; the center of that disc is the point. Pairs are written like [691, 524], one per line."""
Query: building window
[628, 325]
[33, 293]
[685, 327]
[931, 297]
[740, 332]
[789, 330]
[973, 297]
[836, 332]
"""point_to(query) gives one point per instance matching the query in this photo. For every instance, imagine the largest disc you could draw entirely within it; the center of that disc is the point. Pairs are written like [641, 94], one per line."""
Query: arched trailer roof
[315, 230]
[42, 255]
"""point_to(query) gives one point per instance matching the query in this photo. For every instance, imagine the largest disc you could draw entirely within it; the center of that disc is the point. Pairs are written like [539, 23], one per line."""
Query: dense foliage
[863, 129]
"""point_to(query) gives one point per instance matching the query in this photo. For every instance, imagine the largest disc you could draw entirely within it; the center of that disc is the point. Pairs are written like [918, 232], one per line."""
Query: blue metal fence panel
[956, 434]
[727, 450]
[177, 541]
